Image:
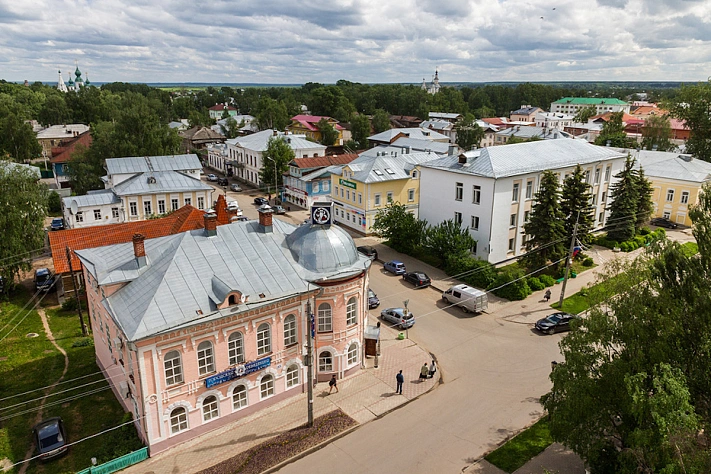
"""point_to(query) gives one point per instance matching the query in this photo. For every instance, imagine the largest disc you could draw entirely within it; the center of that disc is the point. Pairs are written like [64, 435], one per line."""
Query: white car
[234, 206]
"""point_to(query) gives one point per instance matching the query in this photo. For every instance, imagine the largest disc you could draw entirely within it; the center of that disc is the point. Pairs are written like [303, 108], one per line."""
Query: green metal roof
[589, 101]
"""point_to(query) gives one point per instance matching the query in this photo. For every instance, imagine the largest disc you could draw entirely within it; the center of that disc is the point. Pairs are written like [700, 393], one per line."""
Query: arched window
[239, 397]
[173, 368]
[324, 318]
[266, 387]
[325, 362]
[292, 376]
[206, 359]
[352, 354]
[264, 339]
[210, 408]
[178, 420]
[351, 311]
[290, 330]
[235, 348]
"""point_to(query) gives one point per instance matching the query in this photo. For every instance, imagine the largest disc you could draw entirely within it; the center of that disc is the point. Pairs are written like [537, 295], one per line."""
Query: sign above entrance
[346, 183]
[238, 371]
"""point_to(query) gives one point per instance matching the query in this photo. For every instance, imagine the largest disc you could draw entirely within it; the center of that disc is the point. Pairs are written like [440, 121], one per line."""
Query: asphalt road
[493, 373]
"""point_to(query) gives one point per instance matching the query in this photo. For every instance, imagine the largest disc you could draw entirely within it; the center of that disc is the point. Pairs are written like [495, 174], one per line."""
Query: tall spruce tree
[545, 229]
[624, 206]
[645, 205]
[575, 205]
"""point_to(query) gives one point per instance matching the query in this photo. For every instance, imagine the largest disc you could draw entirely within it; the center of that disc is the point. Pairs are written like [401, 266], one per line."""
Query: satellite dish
[74, 207]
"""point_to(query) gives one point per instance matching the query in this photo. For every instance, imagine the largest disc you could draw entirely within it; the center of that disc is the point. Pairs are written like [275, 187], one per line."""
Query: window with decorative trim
[239, 397]
[351, 311]
[206, 358]
[264, 339]
[290, 330]
[352, 354]
[324, 318]
[266, 386]
[325, 362]
[235, 348]
[210, 408]
[173, 368]
[178, 420]
[292, 376]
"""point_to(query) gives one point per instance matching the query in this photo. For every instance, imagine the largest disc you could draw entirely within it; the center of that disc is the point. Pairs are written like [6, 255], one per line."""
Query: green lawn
[690, 248]
[574, 304]
[520, 449]
[34, 363]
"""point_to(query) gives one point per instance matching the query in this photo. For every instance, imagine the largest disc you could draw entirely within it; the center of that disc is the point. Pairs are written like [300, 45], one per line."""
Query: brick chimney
[210, 219]
[139, 249]
[265, 220]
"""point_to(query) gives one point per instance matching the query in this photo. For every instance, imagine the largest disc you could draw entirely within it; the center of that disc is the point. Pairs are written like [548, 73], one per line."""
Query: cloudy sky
[278, 41]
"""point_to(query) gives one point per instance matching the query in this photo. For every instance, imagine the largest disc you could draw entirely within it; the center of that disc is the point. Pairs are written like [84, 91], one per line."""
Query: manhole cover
[32, 334]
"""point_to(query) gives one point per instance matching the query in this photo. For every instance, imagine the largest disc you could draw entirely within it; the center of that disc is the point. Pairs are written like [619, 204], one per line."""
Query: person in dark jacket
[400, 379]
[333, 383]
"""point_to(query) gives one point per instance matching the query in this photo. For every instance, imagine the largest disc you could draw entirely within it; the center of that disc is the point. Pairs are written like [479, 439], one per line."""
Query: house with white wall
[491, 190]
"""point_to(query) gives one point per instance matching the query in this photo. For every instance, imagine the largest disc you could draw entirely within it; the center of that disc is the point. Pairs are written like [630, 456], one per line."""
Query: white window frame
[684, 197]
[266, 386]
[325, 318]
[290, 330]
[206, 358]
[133, 208]
[174, 204]
[179, 421]
[352, 311]
[235, 348]
[512, 220]
[475, 223]
[201, 202]
[476, 194]
[529, 189]
[240, 397]
[352, 354]
[411, 194]
[458, 217]
[79, 216]
[458, 191]
[188, 201]
[173, 373]
[325, 364]
[147, 208]
[670, 195]
[292, 376]
[210, 408]
[161, 206]
[515, 192]
[97, 214]
[264, 339]
[376, 199]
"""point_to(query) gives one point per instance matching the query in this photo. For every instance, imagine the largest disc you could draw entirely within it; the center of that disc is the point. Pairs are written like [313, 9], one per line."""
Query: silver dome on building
[322, 248]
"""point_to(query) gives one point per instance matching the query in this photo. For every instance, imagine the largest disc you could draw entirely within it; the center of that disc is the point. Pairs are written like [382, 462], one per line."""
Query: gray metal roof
[61, 131]
[141, 164]
[372, 169]
[12, 165]
[104, 196]
[526, 110]
[188, 274]
[660, 164]
[321, 172]
[416, 132]
[522, 158]
[259, 141]
[444, 115]
[416, 144]
[165, 182]
[437, 125]
[531, 132]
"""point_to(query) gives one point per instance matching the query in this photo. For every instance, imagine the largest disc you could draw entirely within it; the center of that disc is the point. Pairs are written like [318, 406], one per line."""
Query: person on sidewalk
[400, 379]
[547, 296]
[433, 368]
[333, 383]
[424, 371]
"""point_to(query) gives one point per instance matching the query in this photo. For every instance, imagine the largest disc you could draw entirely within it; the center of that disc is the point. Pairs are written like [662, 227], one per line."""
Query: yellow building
[307, 125]
[370, 182]
[676, 180]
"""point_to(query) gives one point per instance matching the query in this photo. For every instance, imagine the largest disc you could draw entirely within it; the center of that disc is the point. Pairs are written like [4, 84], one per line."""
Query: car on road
[57, 224]
[368, 251]
[222, 182]
[466, 297]
[399, 317]
[279, 210]
[419, 279]
[260, 201]
[395, 266]
[44, 280]
[663, 222]
[235, 187]
[373, 301]
[556, 322]
[211, 177]
[234, 207]
[50, 438]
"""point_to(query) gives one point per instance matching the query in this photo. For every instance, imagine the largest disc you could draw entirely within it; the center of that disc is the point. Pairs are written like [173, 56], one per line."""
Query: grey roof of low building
[372, 169]
[523, 158]
[444, 115]
[416, 144]
[259, 141]
[187, 275]
[61, 131]
[414, 132]
[671, 165]
[142, 164]
[176, 124]
[526, 110]
[12, 165]
[98, 198]
[162, 182]
[531, 132]
[437, 125]
[320, 172]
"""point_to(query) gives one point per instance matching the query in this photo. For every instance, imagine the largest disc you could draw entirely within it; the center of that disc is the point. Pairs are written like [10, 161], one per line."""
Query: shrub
[83, 342]
[513, 287]
[70, 304]
[644, 231]
[54, 202]
[547, 280]
[588, 262]
[640, 240]
[535, 284]
[481, 274]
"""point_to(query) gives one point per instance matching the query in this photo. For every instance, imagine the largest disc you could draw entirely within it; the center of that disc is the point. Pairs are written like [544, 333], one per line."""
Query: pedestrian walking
[333, 383]
[433, 368]
[400, 379]
[424, 371]
[547, 296]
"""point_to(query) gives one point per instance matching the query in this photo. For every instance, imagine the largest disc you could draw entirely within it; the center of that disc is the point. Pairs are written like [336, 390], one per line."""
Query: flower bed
[279, 449]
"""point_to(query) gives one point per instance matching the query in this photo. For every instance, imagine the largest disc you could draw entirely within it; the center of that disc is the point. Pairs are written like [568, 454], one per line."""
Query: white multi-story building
[491, 190]
[571, 105]
[247, 151]
[555, 120]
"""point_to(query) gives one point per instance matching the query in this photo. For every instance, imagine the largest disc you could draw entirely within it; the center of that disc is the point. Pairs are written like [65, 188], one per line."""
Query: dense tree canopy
[693, 106]
[575, 204]
[276, 159]
[401, 229]
[545, 229]
[469, 133]
[656, 133]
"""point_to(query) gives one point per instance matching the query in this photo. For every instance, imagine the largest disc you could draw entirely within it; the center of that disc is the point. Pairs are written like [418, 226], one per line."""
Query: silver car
[399, 317]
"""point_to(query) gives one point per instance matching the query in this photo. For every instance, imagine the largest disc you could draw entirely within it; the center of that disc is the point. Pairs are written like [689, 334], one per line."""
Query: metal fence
[119, 463]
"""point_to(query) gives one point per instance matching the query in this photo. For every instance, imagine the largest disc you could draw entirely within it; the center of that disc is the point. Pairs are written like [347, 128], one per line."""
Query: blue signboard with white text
[238, 371]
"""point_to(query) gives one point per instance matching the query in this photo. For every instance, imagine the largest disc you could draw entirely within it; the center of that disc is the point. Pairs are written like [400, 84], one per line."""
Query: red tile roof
[677, 124]
[221, 107]
[310, 121]
[323, 161]
[184, 219]
[63, 152]
[626, 118]
[494, 120]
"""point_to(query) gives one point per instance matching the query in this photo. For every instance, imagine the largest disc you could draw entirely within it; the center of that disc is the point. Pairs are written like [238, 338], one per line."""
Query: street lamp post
[276, 188]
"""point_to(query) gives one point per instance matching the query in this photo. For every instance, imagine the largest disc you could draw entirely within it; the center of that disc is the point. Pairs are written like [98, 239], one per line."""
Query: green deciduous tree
[23, 207]
[656, 133]
[402, 230]
[448, 239]
[584, 114]
[85, 168]
[624, 194]
[272, 114]
[329, 135]
[360, 131]
[575, 206]
[692, 105]
[278, 151]
[381, 121]
[545, 229]
[613, 132]
[469, 133]
[54, 111]
[17, 140]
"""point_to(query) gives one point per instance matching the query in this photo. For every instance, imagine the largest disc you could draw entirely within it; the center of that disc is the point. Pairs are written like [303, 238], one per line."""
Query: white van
[467, 298]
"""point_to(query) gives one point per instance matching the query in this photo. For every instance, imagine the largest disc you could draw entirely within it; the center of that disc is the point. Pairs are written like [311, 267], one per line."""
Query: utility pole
[76, 293]
[310, 363]
[568, 262]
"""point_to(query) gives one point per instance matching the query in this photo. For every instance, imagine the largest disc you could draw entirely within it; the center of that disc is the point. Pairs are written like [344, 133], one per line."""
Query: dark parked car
[556, 322]
[50, 438]
[259, 201]
[57, 224]
[368, 251]
[419, 279]
[663, 222]
[398, 317]
[373, 301]
[44, 280]
[395, 266]
[222, 182]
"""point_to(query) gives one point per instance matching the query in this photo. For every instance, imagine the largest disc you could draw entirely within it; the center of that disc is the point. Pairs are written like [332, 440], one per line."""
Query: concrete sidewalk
[365, 396]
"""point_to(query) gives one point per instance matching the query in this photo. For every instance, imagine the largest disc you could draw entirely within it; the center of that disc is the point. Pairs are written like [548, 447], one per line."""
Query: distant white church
[73, 84]
[434, 87]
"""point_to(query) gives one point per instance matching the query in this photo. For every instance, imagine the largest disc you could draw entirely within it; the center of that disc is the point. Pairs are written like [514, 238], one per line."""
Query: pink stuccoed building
[199, 329]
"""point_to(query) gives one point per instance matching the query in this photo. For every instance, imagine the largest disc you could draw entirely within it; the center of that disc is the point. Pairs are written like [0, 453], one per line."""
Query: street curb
[340, 435]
